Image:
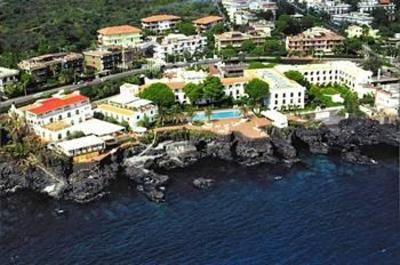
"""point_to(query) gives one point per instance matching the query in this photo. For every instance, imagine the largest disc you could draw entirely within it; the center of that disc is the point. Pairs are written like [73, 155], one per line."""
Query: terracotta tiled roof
[55, 103]
[207, 20]
[384, 2]
[158, 18]
[124, 29]
[176, 85]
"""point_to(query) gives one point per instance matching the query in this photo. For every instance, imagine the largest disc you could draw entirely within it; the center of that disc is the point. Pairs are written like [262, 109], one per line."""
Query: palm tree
[208, 113]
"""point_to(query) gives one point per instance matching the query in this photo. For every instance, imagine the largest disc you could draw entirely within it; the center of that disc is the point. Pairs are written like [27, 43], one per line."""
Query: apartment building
[123, 36]
[315, 40]
[333, 7]
[368, 6]
[236, 38]
[339, 72]
[355, 31]
[353, 18]
[127, 107]
[7, 76]
[206, 23]
[242, 12]
[284, 93]
[109, 59]
[52, 118]
[50, 65]
[160, 23]
[179, 44]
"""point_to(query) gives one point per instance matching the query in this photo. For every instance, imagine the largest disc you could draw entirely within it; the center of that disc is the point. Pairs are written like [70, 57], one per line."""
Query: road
[30, 98]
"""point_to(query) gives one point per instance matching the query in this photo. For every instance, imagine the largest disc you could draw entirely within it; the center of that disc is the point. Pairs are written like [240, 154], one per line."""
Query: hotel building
[284, 93]
[339, 72]
[50, 118]
[126, 107]
[160, 23]
[316, 39]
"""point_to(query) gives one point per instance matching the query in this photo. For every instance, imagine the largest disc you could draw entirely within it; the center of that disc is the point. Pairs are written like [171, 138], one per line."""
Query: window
[284, 95]
[276, 95]
[59, 117]
[51, 120]
[291, 94]
[284, 101]
[276, 102]
[299, 94]
[69, 114]
[77, 111]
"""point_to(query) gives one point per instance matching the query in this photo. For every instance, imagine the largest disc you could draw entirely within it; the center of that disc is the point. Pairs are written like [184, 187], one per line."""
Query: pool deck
[250, 128]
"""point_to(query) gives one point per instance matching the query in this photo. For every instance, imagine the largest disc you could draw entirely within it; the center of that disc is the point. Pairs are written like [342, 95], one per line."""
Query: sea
[321, 211]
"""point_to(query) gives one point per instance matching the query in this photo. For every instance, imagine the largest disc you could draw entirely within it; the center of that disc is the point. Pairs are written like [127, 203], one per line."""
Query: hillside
[31, 27]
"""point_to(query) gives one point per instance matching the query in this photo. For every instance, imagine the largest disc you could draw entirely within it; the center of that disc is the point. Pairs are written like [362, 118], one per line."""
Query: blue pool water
[217, 115]
[323, 212]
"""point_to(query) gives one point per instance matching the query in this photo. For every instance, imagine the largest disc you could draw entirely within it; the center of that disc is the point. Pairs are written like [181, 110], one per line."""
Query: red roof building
[56, 103]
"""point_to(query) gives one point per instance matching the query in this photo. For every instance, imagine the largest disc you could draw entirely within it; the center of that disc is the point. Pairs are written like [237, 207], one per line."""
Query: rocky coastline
[141, 164]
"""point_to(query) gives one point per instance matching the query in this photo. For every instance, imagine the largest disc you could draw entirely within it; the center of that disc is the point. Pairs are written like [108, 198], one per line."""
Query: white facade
[179, 44]
[355, 31]
[160, 23]
[278, 119]
[284, 93]
[7, 75]
[50, 117]
[368, 6]
[333, 7]
[353, 18]
[81, 146]
[126, 107]
[340, 72]
[241, 12]
[387, 98]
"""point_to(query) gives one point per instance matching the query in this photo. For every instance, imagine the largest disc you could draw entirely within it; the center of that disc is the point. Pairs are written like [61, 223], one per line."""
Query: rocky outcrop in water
[143, 164]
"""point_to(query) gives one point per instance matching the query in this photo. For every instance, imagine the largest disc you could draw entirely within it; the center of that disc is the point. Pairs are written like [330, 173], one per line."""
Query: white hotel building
[52, 118]
[178, 44]
[340, 72]
[284, 93]
[127, 107]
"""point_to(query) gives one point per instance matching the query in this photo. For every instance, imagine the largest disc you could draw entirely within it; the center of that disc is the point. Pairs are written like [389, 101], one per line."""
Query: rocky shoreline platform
[141, 164]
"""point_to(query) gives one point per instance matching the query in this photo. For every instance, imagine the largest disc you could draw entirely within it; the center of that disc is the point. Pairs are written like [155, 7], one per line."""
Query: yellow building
[122, 36]
[355, 31]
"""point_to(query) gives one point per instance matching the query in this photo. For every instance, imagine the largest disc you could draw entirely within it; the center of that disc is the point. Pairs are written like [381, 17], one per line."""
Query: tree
[248, 46]
[160, 94]
[193, 92]
[75, 135]
[213, 89]
[298, 77]
[228, 52]
[257, 90]
[274, 47]
[13, 89]
[373, 64]
[186, 28]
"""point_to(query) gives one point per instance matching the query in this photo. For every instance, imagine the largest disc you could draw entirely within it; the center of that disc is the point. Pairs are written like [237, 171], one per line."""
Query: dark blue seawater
[322, 212]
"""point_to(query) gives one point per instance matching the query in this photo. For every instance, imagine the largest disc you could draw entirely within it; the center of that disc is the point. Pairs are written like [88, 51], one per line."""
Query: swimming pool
[217, 115]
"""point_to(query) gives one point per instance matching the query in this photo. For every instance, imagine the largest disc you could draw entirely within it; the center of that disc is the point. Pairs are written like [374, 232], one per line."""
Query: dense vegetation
[30, 28]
